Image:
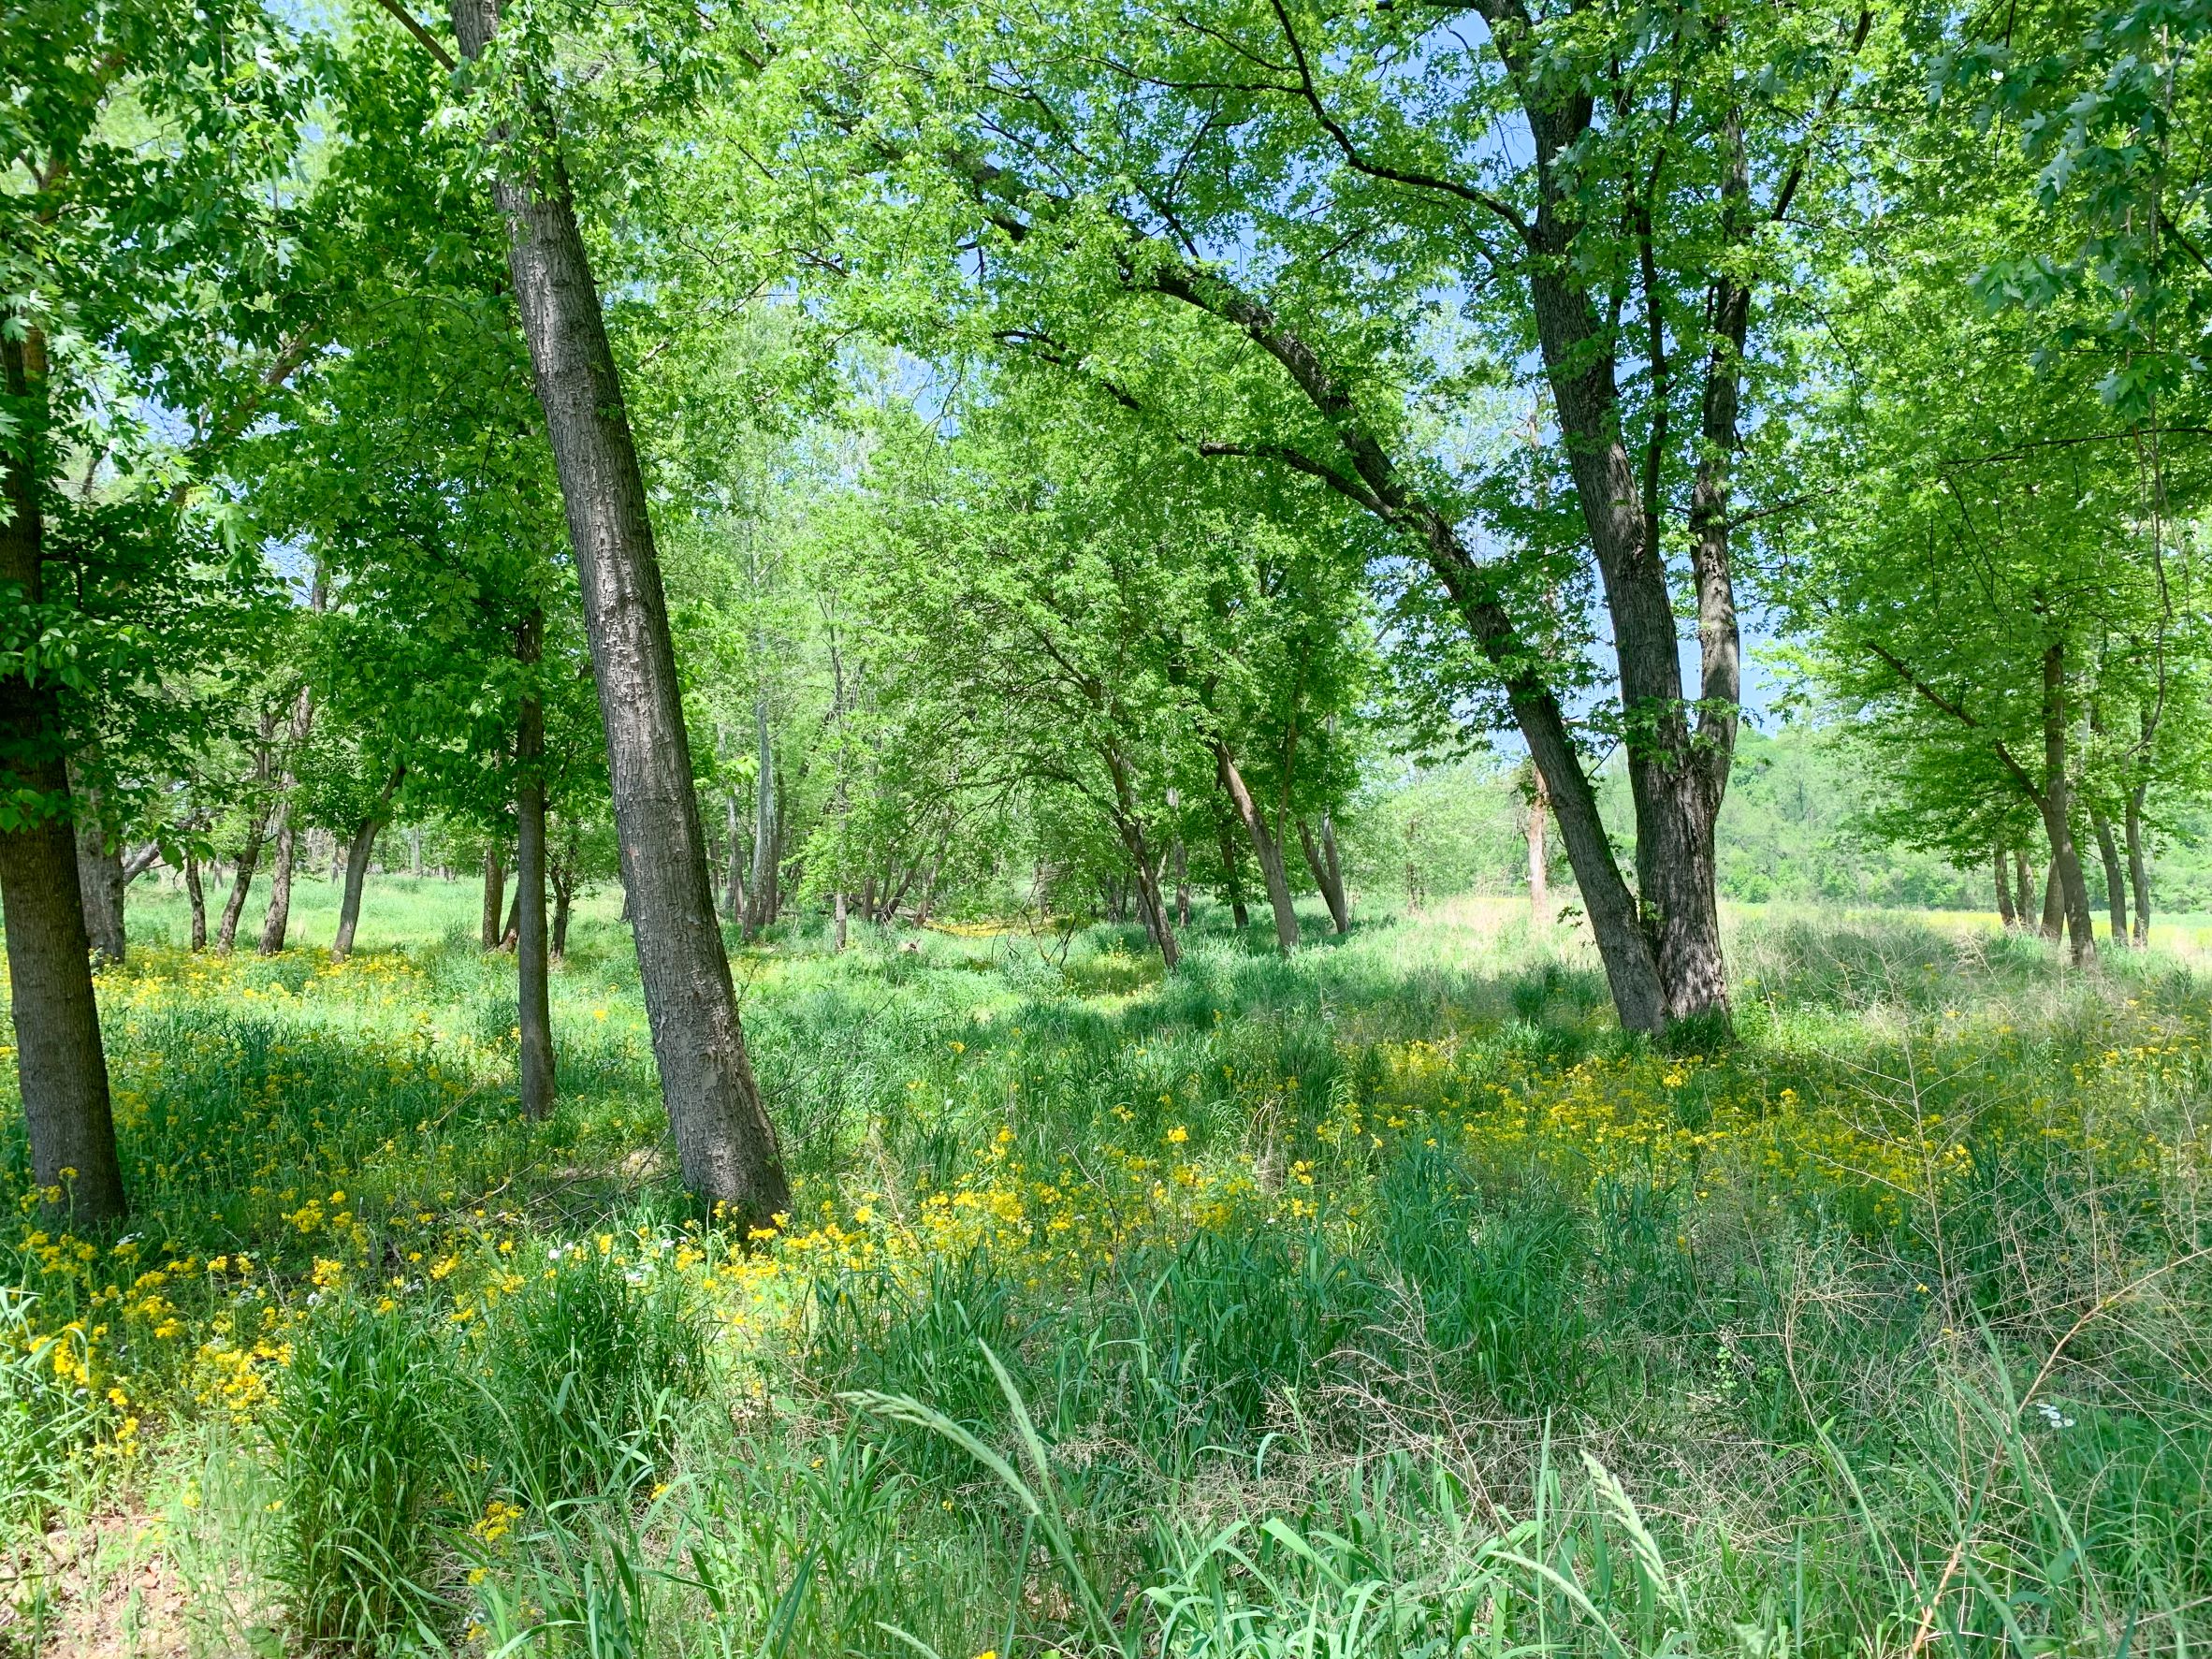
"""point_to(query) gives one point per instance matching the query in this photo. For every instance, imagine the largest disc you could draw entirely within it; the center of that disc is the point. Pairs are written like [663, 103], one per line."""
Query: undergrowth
[1383, 1300]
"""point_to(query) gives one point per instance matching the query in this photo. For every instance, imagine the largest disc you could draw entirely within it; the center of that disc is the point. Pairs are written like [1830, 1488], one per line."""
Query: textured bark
[61, 1065]
[2116, 883]
[837, 914]
[2023, 888]
[733, 899]
[1233, 868]
[2138, 871]
[99, 869]
[277, 920]
[1320, 858]
[1264, 848]
[359, 852]
[2006, 915]
[2054, 904]
[199, 898]
[1540, 855]
[489, 929]
[724, 1142]
[534, 1020]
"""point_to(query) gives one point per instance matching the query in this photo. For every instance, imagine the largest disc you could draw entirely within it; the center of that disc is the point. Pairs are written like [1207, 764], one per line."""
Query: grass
[1383, 1300]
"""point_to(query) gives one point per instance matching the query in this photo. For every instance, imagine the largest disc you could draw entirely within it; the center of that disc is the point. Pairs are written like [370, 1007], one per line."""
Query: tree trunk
[248, 857]
[277, 920]
[357, 867]
[564, 890]
[510, 929]
[838, 913]
[494, 898]
[1263, 847]
[2116, 883]
[2138, 871]
[199, 898]
[2057, 804]
[59, 1063]
[734, 900]
[1539, 853]
[534, 1020]
[2006, 916]
[761, 910]
[725, 1140]
[415, 853]
[99, 869]
[2023, 888]
[1326, 875]
[1234, 873]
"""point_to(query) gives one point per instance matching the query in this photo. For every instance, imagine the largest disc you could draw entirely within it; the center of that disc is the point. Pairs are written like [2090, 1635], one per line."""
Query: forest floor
[1383, 1300]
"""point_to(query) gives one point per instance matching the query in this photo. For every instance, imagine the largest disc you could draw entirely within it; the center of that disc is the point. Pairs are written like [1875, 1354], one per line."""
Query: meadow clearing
[1385, 1300]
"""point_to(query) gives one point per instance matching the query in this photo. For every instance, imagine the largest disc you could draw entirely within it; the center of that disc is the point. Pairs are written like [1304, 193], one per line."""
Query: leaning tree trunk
[2138, 869]
[1264, 848]
[278, 919]
[2006, 915]
[495, 894]
[535, 1022]
[725, 1140]
[361, 849]
[61, 1065]
[1327, 876]
[2116, 883]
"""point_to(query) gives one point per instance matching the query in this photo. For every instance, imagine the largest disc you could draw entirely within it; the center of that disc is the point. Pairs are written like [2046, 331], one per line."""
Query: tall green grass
[1477, 1402]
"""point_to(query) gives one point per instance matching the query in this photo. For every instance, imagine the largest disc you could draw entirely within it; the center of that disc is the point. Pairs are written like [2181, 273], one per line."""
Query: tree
[725, 1140]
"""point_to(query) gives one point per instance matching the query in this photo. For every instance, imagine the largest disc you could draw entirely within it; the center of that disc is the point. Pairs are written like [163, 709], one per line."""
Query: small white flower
[2053, 1418]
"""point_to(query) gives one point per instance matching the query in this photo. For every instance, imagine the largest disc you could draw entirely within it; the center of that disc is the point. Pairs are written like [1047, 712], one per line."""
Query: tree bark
[1130, 825]
[734, 900]
[62, 1068]
[249, 856]
[2116, 883]
[2023, 888]
[2053, 903]
[359, 852]
[99, 869]
[564, 892]
[1264, 848]
[494, 898]
[2138, 869]
[761, 910]
[534, 1020]
[2058, 810]
[1539, 854]
[198, 900]
[1233, 872]
[837, 914]
[2006, 916]
[725, 1140]
[1320, 859]
[277, 919]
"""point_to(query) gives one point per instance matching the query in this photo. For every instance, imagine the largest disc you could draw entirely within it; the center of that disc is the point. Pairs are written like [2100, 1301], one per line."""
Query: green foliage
[589, 1369]
[364, 1430]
